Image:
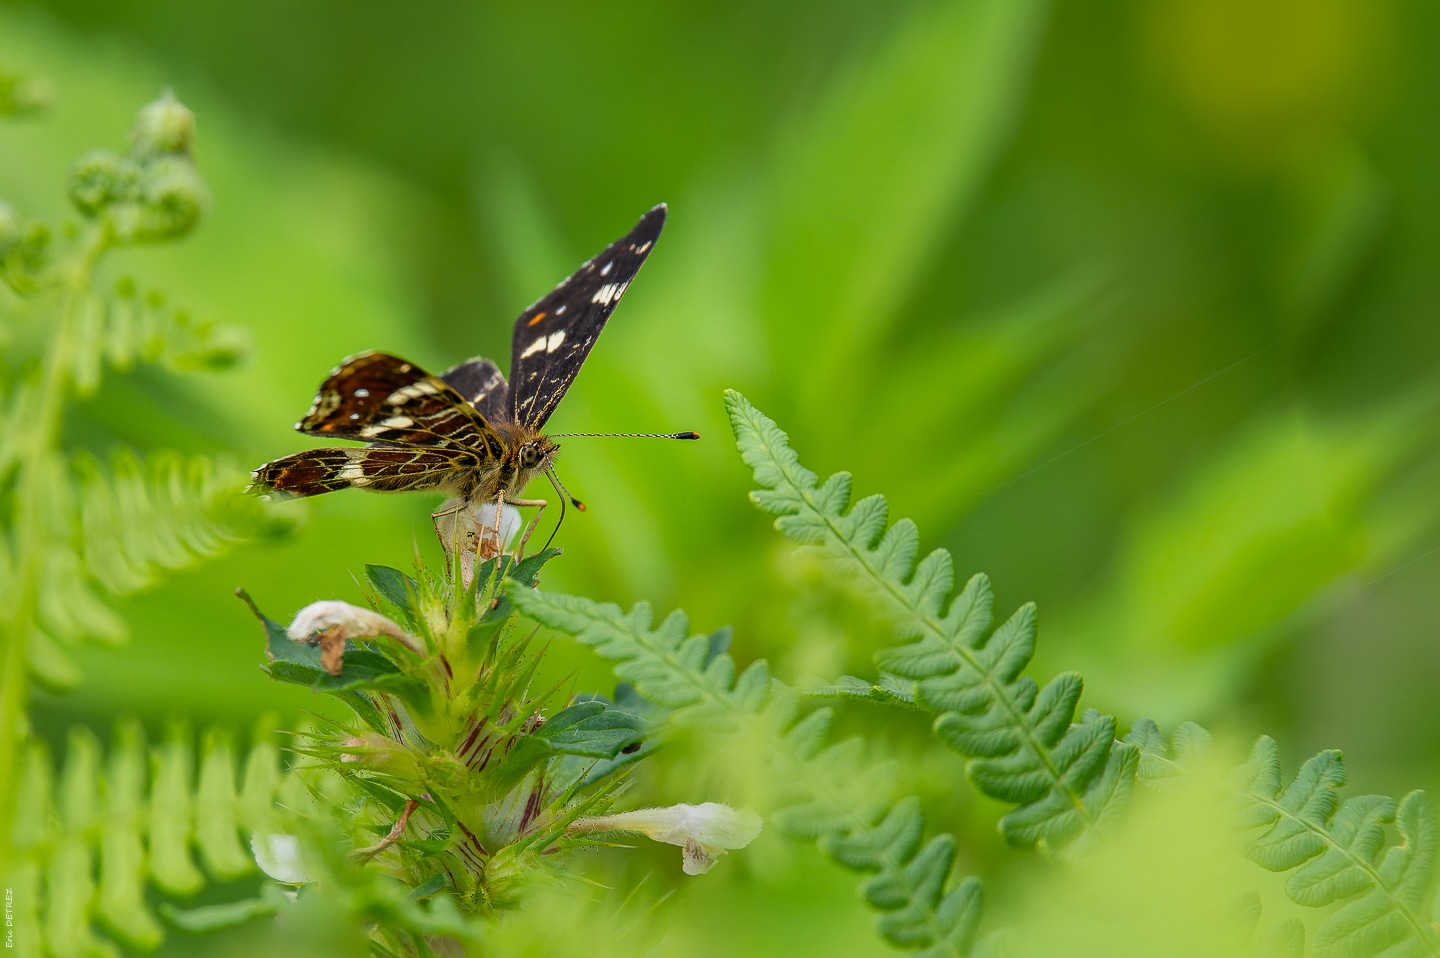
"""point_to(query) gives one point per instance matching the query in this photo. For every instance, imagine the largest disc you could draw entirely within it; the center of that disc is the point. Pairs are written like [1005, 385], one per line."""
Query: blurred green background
[1132, 305]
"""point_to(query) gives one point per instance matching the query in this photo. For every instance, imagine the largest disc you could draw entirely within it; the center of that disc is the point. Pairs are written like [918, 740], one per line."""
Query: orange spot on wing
[538, 317]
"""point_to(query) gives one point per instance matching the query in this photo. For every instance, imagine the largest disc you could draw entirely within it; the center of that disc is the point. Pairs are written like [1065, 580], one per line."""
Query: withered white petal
[351, 622]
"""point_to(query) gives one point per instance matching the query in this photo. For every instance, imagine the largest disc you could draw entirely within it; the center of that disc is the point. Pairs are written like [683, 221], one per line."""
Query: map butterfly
[468, 431]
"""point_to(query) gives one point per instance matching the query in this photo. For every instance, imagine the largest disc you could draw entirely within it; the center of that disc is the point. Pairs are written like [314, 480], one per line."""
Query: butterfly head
[536, 453]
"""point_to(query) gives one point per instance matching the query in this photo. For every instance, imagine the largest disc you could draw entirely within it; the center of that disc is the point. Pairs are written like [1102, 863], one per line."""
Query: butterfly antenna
[560, 489]
[626, 435]
[564, 493]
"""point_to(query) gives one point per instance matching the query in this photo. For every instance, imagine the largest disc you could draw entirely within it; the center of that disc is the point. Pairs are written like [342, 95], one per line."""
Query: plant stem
[32, 517]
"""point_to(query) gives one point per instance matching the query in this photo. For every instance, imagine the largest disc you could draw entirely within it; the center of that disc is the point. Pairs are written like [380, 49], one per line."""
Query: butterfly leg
[540, 505]
[448, 528]
[459, 532]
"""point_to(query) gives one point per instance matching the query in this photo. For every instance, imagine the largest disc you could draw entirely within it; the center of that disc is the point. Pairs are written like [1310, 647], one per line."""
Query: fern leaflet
[138, 833]
[830, 797]
[1022, 741]
[1338, 852]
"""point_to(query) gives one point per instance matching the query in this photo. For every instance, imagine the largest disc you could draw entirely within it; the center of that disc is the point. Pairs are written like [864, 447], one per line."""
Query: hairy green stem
[31, 517]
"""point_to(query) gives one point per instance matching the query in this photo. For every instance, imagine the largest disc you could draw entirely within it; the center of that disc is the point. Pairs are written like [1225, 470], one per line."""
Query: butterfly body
[468, 432]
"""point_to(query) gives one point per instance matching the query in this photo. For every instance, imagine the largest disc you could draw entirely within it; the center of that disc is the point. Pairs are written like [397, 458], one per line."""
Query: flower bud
[704, 832]
[24, 94]
[163, 126]
[383, 756]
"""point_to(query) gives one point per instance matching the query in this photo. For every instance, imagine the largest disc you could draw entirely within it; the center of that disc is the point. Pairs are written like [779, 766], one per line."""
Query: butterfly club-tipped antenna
[625, 435]
[560, 486]
[564, 494]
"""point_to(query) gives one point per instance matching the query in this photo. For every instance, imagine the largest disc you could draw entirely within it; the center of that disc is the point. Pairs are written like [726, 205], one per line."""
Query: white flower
[504, 533]
[705, 832]
[278, 856]
[332, 622]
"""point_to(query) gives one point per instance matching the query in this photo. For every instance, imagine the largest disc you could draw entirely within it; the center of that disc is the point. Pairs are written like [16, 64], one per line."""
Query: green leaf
[212, 918]
[140, 518]
[854, 227]
[826, 792]
[1024, 746]
[396, 588]
[122, 906]
[1162, 760]
[172, 814]
[591, 728]
[1338, 853]
[216, 828]
[890, 690]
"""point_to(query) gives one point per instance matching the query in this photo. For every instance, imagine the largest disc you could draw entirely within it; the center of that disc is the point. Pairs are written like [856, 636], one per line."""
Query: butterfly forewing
[437, 432]
[384, 468]
[482, 383]
[381, 398]
[553, 337]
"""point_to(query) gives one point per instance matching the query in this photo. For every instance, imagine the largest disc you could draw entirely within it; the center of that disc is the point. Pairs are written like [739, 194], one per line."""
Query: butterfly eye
[530, 456]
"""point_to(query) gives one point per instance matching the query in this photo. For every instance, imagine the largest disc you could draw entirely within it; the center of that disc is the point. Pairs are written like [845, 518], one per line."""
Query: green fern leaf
[1337, 851]
[1164, 760]
[143, 818]
[125, 329]
[140, 517]
[1022, 741]
[827, 794]
[122, 906]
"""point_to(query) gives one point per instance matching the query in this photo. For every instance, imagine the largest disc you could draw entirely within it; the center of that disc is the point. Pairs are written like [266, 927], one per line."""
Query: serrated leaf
[1338, 852]
[396, 588]
[591, 728]
[1020, 738]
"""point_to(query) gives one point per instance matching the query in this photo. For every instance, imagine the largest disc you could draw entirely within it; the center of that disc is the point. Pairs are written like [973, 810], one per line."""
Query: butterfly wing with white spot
[483, 384]
[379, 398]
[382, 468]
[553, 336]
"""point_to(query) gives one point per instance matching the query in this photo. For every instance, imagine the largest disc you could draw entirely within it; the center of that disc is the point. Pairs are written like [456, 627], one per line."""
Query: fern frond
[1022, 741]
[141, 517]
[140, 819]
[127, 328]
[828, 795]
[1339, 852]
[1161, 759]
[132, 521]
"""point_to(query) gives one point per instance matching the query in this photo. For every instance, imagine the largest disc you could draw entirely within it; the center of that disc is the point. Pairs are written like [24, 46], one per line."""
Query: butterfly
[468, 431]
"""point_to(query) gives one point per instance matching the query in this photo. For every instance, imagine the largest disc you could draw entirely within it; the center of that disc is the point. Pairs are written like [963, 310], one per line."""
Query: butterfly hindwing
[380, 398]
[385, 468]
[482, 383]
[553, 336]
